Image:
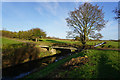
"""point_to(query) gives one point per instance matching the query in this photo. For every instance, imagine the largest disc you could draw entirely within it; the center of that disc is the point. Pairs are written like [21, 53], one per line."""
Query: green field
[49, 42]
[8, 41]
[59, 41]
[113, 44]
[102, 64]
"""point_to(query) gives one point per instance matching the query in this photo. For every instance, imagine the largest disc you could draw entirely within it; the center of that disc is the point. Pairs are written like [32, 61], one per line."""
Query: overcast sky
[50, 16]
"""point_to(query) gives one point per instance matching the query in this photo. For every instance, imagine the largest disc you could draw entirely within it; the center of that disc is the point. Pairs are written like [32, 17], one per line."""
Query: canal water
[21, 70]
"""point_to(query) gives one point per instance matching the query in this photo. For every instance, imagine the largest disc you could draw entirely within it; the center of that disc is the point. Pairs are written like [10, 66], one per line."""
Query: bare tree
[117, 12]
[86, 19]
[97, 36]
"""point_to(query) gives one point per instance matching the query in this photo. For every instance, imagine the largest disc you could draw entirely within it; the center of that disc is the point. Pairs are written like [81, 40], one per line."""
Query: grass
[14, 49]
[59, 41]
[106, 63]
[50, 68]
[50, 42]
[112, 43]
[102, 64]
[8, 41]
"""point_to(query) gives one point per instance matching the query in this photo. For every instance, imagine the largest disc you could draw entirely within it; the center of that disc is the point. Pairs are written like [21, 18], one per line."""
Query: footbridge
[71, 49]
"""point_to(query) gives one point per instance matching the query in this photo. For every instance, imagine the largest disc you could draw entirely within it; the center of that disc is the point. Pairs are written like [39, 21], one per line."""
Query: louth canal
[21, 70]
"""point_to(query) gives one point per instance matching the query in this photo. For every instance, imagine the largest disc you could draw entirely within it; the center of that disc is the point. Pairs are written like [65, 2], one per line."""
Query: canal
[21, 70]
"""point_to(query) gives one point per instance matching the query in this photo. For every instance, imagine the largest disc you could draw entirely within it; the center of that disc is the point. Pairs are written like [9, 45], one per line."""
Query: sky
[50, 17]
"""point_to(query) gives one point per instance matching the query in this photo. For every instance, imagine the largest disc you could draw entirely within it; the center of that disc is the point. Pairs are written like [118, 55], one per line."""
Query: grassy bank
[14, 47]
[8, 41]
[109, 44]
[50, 68]
[16, 51]
[102, 64]
[50, 42]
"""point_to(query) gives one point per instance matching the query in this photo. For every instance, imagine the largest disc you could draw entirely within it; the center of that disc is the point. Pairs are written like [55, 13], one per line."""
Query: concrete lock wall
[53, 51]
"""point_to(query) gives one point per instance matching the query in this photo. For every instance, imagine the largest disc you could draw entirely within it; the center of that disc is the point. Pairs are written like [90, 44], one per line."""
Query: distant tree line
[31, 34]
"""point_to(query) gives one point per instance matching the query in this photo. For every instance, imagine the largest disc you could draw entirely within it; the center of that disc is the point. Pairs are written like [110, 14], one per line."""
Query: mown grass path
[106, 70]
[102, 64]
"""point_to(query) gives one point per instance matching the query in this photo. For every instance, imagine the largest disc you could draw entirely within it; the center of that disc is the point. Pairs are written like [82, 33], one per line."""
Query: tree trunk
[36, 39]
[84, 40]
[84, 45]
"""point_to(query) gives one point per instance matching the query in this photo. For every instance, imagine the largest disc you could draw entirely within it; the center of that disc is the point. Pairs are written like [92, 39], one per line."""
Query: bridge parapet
[59, 47]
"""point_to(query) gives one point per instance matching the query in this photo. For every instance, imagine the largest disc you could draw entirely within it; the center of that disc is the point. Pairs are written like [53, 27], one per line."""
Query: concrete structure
[70, 49]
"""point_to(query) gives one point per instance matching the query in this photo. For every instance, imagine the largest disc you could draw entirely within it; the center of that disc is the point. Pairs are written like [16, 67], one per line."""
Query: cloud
[87, 0]
[39, 10]
[52, 8]
[49, 7]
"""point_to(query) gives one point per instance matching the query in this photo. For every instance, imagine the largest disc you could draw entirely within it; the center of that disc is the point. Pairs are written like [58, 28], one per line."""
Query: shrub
[102, 46]
[109, 46]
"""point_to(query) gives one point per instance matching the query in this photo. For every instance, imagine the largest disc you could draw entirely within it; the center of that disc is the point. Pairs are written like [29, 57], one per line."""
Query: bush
[109, 46]
[102, 46]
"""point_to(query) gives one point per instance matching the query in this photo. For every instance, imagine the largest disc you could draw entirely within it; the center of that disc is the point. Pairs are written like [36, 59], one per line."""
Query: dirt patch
[76, 62]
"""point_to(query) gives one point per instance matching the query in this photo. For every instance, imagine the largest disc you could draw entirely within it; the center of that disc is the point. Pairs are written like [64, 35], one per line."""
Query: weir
[21, 70]
[71, 49]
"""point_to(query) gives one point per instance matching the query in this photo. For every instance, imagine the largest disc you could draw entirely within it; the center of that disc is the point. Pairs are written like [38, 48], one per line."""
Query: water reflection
[21, 70]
